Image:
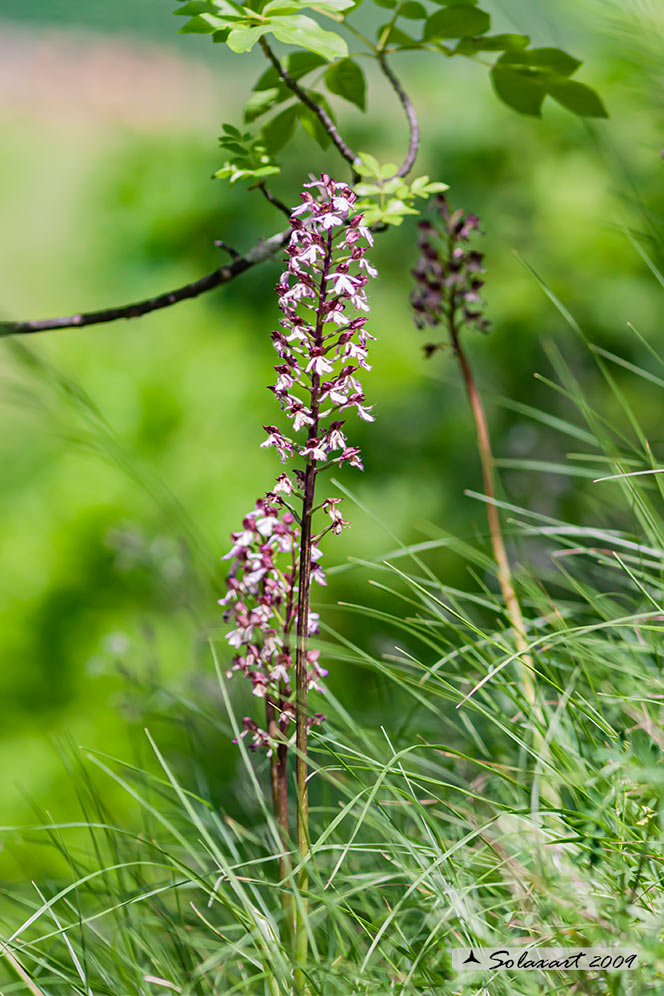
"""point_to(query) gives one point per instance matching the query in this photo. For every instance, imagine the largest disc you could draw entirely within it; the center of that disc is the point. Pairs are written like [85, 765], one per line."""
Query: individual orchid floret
[283, 485]
[330, 507]
[352, 455]
[335, 438]
[315, 449]
[275, 438]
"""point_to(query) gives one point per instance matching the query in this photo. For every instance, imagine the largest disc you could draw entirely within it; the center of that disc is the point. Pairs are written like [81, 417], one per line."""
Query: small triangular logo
[471, 959]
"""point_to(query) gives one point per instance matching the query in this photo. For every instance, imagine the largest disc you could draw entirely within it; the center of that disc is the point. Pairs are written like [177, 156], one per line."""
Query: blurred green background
[130, 451]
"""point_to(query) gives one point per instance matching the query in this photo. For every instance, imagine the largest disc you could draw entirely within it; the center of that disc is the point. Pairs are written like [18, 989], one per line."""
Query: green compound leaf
[520, 88]
[249, 156]
[305, 32]
[231, 130]
[368, 165]
[386, 197]
[422, 186]
[219, 8]
[243, 39]
[262, 101]
[392, 213]
[331, 6]
[203, 24]
[235, 171]
[241, 27]
[578, 98]
[312, 123]
[456, 22]
[491, 43]
[281, 7]
[295, 7]
[276, 133]
[523, 78]
[413, 10]
[205, 18]
[346, 79]
[312, 126]
[552, 59]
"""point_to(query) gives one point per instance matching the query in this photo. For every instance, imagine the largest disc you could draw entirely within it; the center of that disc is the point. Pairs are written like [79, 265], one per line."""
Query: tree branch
[223, 275]
[274, 201]
[233, 253]
[263, 249]
[413, 126]
[322, 115]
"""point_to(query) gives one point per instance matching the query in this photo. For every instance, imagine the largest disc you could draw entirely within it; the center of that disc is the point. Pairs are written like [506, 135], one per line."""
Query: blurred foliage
[129, 452]
[146, 17]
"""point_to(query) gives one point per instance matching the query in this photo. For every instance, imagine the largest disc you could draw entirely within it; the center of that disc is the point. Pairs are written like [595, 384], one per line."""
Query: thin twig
[413, 126]
[233, 253]
[263, 250]
[269, 196]
[322, 115]
[224, 274]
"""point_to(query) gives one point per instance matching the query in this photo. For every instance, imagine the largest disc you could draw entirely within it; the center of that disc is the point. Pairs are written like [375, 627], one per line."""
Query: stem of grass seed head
[510, 597]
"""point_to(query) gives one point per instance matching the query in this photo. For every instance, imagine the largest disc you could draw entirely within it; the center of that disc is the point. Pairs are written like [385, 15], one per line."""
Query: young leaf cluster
[249, 157]
[387, 198]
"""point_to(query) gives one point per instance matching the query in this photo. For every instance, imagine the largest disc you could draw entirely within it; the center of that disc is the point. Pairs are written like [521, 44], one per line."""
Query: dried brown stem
[497, 543]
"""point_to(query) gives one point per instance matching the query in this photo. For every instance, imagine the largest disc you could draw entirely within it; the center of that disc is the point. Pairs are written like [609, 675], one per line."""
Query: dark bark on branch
[274, 201]
[322, 115]
[413, 126]
[233, 253]
[223, 275]
[239, 264]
